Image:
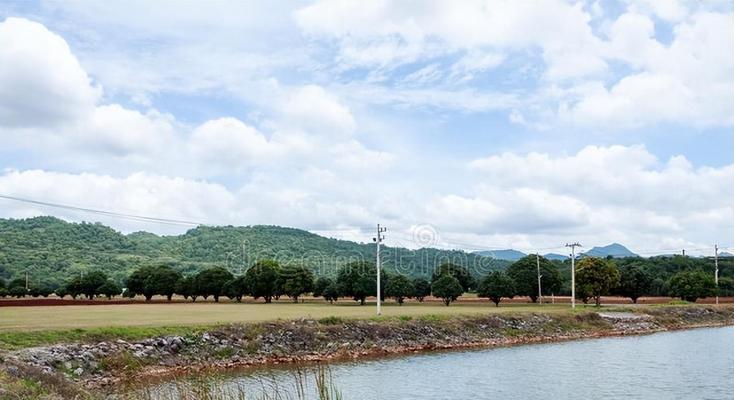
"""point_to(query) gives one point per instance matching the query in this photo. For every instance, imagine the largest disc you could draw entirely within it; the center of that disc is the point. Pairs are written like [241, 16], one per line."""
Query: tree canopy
[399, 287]
[596, 277]
[466, 280]
[692, 285]
[495, 286]
[447, 288]
[524, 272]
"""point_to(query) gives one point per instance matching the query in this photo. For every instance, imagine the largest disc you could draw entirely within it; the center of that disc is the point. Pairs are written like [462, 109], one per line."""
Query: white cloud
[311, 108]
[41, 82]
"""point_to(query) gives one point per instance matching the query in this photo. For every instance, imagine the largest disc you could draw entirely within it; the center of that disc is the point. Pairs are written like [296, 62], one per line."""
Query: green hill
[52, 250]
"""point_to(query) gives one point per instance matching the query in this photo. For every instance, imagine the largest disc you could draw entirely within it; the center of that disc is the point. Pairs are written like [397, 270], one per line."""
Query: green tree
[321, 284]
[692, 284]
[634, 282]
[3, 292]
[457, 271]
[109, 289]
[597, 277]
[358, 280]
[495, 286]
[61, 292]
[296, 280]
[91, 282]
[236, 288]
[399, 287]
[263, 280]
[186, 287]
[17, 291]
[152, 280]
[210, 282]
[447, 288]
[525, 274]
[331, 293]
[161, 280]
[726, 287]
[422, 289]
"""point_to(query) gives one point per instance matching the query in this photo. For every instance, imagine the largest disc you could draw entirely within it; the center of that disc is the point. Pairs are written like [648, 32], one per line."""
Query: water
[694, 364]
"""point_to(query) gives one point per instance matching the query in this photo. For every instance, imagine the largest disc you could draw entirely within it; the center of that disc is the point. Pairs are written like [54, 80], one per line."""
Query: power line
[104, 212]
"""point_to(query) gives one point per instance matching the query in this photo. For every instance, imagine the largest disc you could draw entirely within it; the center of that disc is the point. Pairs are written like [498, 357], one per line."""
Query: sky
[476, 125]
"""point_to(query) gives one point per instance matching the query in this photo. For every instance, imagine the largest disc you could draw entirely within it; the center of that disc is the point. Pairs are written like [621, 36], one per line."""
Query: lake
[693, 364]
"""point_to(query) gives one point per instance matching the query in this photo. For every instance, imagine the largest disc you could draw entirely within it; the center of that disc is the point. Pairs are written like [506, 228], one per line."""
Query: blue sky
[488, 123]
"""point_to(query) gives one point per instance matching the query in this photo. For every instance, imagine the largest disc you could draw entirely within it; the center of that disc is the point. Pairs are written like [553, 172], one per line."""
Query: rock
[79, 371]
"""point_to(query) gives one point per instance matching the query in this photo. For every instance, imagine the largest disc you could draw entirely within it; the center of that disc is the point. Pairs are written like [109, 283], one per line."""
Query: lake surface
[694, 364]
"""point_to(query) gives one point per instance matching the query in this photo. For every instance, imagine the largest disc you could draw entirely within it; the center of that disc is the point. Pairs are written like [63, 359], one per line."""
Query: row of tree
[268, 280]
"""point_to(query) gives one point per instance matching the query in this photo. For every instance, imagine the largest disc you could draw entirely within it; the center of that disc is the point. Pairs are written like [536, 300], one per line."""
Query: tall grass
[216, 388]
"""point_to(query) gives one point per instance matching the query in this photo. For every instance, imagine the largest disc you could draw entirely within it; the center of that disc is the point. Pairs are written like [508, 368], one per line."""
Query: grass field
[33, 326]
[177, 314]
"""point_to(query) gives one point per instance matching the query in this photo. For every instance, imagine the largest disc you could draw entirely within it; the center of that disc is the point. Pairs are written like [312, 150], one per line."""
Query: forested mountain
[51, 250]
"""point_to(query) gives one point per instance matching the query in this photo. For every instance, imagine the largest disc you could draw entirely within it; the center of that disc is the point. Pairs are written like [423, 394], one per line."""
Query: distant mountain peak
[615, 250]
[506, 254]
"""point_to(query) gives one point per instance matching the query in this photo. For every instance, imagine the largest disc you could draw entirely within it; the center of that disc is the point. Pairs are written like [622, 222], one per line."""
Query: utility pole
[26, 281]
[573, 247]
[377, 241]
[716, 273]
[540, 292]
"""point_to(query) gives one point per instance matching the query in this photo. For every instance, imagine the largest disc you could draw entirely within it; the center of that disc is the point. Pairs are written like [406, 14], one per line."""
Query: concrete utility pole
[540, 292]
[377, 241]
[716, 273]
[573, 247]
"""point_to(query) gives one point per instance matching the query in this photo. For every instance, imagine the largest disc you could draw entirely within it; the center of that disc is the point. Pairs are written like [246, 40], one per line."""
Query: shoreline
[164, 373]
[105, 367]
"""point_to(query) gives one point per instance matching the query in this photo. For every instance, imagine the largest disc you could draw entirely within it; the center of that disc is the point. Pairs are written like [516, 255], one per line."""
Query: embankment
[99, 365]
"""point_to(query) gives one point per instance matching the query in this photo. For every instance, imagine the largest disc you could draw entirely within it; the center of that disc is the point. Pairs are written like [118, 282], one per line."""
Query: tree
[525, 274]
[320, 285]
[331, 293]
[399, 287]
[597, 277]
[154, 280]
[634, 282]
[422, 288]
[465, 279]
[296, 280]
[91, 282]
[358, 280]
[236, 288]
[692, 284]
[186, 287]
[210, 282]
[74, 287]
[263, 280]
[495, 286]
[161, 280]
[3, 292]
[17, 291]
[41, 289]
[109, 289]
[61, 292]
[448, 288]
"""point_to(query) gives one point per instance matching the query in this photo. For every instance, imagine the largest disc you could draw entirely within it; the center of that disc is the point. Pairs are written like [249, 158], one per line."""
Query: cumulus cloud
[41, 82]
